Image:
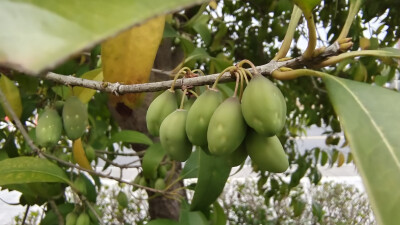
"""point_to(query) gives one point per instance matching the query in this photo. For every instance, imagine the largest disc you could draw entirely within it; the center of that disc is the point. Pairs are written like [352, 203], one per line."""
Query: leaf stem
[353, 10]
[312, 36]
[335, 59]
[292, 74]
[287, 40]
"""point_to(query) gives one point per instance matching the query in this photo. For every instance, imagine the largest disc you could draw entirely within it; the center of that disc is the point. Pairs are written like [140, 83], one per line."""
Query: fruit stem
[194, 93]
[242, 75]
[180, 72]
[228, 69]
[240, 64]
[237, 74]
[183, 98]
[248, 74]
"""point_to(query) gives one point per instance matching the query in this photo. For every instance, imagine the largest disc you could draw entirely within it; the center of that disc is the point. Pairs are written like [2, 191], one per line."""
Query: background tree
[210, 38]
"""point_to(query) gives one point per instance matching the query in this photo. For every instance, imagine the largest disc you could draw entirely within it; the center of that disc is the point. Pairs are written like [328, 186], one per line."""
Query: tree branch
[118, 89]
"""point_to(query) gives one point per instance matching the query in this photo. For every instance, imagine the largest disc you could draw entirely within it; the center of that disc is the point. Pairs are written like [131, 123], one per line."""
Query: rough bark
[159, 206]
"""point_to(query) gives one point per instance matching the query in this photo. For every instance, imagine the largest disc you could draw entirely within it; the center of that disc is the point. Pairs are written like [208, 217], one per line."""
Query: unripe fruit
[90, 153]
[122, 199]
[173, 136]
[263, 106]
[71, 218]
[199, 116]
[48, 129]
[266, 152]
[159, 184]
[160, 108]
[227, 128]
[162, 171]
[136, 181]
[83, 219]
[143, 182]
[80, 185]
[75, 117]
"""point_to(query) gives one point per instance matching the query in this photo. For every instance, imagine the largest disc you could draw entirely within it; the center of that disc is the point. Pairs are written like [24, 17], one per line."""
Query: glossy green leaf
[30, 169]
[131, 136]
[37, 35]
[369, 115]
[218, 217]
[307, 5]
[191, 168]
[213, 174]
[152, 159]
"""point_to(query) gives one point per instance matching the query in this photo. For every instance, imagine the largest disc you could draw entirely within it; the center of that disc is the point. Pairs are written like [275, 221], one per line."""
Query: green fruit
[263, 106]
[143, 182]
[83, 219]
[173, 136]
[188, 103]
[90, 153]
[159, 109]
[122, 199]
[162, 171]
[71, 218]
[199, 116]
[48, 129]
[159, 184]
[80, 185]
[238, 156]
[75, 117]
[227, 128]
[266, 152]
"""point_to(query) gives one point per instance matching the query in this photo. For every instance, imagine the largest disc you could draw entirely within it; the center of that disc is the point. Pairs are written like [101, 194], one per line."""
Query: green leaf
[369, 115]
[30, 169]
[38, 35]
[213, 174]
[152, 159]
[218, 217]
[191, 168]
[131, 136]
[307, 5]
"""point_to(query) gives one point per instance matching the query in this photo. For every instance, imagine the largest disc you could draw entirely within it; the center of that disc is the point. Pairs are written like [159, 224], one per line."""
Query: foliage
[211, 38]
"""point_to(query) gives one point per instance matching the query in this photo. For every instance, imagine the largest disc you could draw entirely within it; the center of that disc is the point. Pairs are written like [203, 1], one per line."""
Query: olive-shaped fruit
[159, 184]
[263, 106]
[199, 116]
[227, 128]
[75, 117]
[83, 219]
[160, 108]
[71, 218]
[266, 152]
[49, 127]
[173, 136]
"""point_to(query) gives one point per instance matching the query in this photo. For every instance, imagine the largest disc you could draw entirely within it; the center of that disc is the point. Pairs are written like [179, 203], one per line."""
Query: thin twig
[122, 166]
[25, 215]
[57, 212]
[119, 89]
[99, 219]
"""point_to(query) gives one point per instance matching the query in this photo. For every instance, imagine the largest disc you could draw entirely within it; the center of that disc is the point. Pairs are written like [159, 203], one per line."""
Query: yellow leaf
[85, 94]
[79, 154]
[13, 97]
[128, 57]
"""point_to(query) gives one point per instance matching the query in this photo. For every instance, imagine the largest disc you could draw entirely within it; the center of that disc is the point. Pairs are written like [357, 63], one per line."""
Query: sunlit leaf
[131, 136]
[37, 35]
[369, 115]
[30, 169]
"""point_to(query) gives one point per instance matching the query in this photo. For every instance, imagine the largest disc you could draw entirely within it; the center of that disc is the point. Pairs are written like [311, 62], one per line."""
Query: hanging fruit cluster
[74, 120]
[241, 125]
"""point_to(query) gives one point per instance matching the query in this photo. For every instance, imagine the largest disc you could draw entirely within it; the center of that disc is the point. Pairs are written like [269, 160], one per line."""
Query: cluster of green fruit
[50, 124]
[156, 180]
[82, 218]
[231, 127]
